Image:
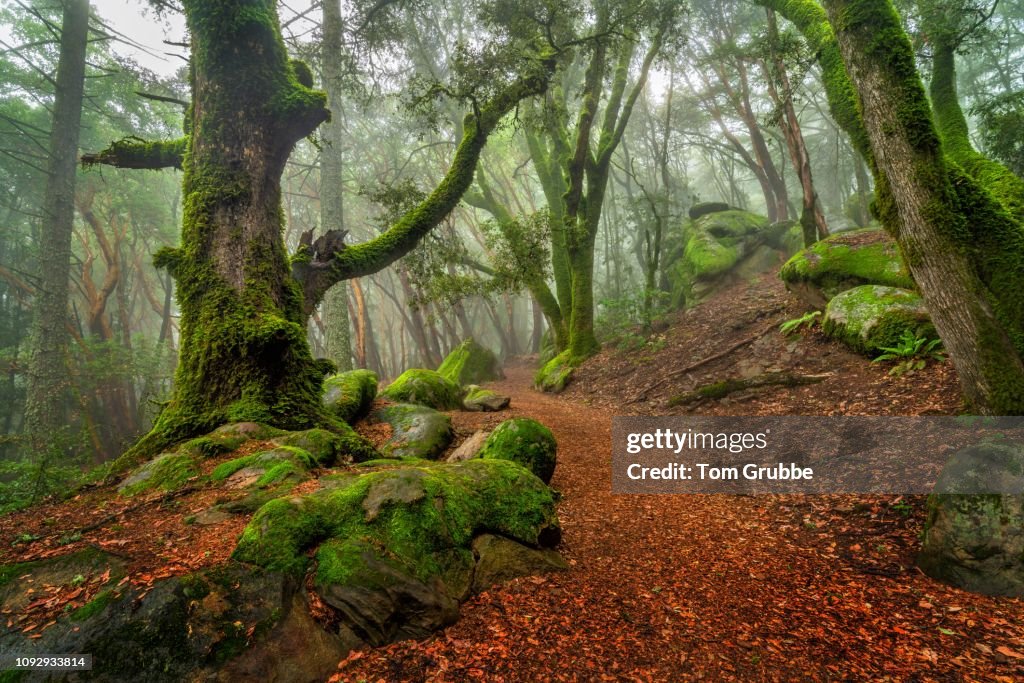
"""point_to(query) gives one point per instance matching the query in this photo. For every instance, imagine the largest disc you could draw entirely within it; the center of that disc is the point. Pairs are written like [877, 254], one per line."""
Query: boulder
[974, 533]
[394, 548]
[470, 363]
[479, 400]
[844, 261]
[349, 395]
[326, 448]
[469, 448]
[500, 559]
[425, 388]
[526, 442]
[871, 317]
[704, 208]
[231, 622]
[165, 472]
[721, 247]
[416, 431]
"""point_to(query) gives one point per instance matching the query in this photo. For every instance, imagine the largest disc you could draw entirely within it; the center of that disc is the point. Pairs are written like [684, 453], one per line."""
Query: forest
[332, 333]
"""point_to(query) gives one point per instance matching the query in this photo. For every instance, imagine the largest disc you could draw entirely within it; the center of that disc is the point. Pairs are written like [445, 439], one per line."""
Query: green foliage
[807, 320]
[912, 353]
[1001, 126]
[621, 322]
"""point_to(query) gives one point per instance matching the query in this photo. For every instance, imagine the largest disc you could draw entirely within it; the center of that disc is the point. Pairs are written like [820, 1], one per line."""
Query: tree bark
[47, 367]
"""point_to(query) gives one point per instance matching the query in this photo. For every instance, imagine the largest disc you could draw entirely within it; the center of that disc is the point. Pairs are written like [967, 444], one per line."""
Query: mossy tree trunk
[244, 303]
[963, 245]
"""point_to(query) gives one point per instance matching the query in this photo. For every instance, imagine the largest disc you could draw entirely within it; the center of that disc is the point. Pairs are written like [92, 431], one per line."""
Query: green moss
[95, 606]
[283, 462]
[323, 446]
[416, 431]
[470, 363]
[556, 373]
[413, 516]
[847, 260]
[167, 472]
[526, 442]
[10, 572]
[870, 317]
[349, 395]
[424, 387]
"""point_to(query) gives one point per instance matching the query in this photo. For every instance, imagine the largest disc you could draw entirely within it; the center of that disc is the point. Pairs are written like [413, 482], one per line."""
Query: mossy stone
[282, 465]
[974, 533]
[470, 363]
[484, 400]
[526, 442]
[871, 317]
[705, 208]
[349, 395]
[326, 448]
[166, 472]
[844, 261]
[426, 388]
[416, 431]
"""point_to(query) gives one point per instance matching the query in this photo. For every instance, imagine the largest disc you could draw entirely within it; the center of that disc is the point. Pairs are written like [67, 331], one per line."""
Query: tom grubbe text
[733, 442]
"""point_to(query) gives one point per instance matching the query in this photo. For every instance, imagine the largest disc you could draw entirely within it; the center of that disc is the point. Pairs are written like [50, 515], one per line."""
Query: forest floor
[714, 587]
[660, 588]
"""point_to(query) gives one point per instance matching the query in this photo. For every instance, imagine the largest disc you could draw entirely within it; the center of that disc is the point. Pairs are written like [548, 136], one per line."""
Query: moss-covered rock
[416, 431]
[844, 261]
[282, 465]
[556, 374]
[526, 442]
[470, 363]
[231, 622]
[500, 559]
[871, 317]
[394, 547]
[326, 448]
[425, 388]
[349, 395]
[165, 472]
[974, 534]
[484, 400]
[704, 208]
[719, 248]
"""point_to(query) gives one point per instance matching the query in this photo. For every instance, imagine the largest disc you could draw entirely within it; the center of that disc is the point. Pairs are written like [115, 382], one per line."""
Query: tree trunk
[964, 251]
[337, 330]
[47, 368]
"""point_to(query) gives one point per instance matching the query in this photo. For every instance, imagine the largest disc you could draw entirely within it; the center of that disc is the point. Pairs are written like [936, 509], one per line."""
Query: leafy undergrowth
[722, 588]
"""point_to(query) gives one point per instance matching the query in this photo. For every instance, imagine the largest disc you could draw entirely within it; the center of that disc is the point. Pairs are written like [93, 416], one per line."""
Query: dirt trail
[670, 588]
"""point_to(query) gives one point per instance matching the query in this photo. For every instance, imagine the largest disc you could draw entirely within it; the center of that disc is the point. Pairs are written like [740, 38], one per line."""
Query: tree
[47, 375]
[244, 302]
[956, 215]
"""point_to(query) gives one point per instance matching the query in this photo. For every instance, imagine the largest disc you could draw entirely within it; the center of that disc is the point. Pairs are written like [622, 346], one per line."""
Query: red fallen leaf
[30, 627]
[1003, 650]
[925, 604]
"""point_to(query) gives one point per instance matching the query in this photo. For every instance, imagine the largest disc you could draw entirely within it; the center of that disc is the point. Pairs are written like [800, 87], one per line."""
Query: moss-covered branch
[133, 152]
[369, 257]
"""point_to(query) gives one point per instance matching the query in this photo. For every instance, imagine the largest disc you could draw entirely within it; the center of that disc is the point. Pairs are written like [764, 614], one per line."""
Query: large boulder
[871, 317]
[500, 559]
[719, 246]
[425, 388]
[416, 431]
[526, 442]
[394, 548]
[844, 261]
[470, 363]
[349, 395]
[974, 534]
[226, 623]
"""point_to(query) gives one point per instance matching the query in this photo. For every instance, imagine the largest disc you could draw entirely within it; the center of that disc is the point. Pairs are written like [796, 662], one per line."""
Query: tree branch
[133, 152]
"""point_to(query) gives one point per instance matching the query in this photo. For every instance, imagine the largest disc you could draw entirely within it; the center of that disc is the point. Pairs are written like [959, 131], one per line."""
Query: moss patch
[526, 442]
[555, 374]
[425, 388]
[470, 363]
[349, 395]
[284, 464]
[166, 472]
[870, 317]
[416, 431]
